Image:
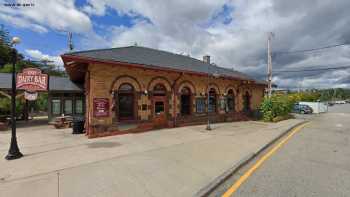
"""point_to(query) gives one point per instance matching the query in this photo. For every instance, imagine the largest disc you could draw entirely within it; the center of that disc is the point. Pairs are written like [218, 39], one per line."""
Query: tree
[4, 36]
[5, 55]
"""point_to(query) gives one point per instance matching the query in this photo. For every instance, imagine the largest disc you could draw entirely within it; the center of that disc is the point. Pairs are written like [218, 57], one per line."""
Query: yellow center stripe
[247, 174]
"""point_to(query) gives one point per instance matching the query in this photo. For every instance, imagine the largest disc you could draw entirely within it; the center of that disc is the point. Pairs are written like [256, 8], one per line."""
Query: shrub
[277, 105]
[5, 106]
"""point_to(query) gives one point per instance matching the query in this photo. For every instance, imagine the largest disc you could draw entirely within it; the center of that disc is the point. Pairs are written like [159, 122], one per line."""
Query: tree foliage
[6, 67]
[276, 106]
[5, 56]
[280, 105]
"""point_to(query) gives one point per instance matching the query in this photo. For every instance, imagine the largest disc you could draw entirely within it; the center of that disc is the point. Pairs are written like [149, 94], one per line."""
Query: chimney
[206, 59]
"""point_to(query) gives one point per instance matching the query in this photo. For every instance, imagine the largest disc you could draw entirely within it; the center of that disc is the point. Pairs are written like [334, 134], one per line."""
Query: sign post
[31, 80]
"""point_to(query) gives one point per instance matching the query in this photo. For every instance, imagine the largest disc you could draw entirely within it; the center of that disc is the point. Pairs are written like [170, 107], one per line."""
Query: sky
[233, 32]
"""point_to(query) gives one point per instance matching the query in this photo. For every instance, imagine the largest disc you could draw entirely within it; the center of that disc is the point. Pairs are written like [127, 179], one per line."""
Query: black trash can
[78, 124]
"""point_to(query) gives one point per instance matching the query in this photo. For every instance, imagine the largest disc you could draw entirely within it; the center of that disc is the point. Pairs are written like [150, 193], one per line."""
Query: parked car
[330, 104]
[302, 109]
[340, 102]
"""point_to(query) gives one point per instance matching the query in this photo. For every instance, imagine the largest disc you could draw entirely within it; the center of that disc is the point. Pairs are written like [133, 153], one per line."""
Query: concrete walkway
[167, 162]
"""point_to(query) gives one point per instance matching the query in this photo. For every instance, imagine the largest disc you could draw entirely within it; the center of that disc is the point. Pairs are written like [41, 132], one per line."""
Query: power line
[316, 69]
[312, 49]
[306, 70]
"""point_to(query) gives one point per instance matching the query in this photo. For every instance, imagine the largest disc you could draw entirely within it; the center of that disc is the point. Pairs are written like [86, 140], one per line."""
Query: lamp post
[208, 101]
[14, 152]
[216, 75]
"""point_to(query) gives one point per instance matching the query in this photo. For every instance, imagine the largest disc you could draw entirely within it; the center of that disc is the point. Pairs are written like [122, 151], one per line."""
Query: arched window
[230, 101]
[126, 88]
[185, 101]
[212, 100]
[246, 102]
[159, 90]
[126, 102]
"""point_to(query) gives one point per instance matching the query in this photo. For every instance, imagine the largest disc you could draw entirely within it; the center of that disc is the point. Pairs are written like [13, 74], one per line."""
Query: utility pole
[70, 41]
[269, 64]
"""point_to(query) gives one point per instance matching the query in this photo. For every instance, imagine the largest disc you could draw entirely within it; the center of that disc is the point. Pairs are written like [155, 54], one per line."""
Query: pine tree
[4, 36]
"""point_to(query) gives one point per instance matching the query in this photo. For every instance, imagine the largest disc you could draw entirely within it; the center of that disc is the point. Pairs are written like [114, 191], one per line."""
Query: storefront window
[186, 101]
[68, 106]
[56, 106]
[159, 90]
[230, 101]
[79, 106]
[223, 103]
[158, 107]
[200, 105]
[212, 100]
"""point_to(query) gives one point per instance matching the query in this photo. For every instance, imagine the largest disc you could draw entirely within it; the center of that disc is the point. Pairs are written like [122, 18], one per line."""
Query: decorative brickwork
[104, 81]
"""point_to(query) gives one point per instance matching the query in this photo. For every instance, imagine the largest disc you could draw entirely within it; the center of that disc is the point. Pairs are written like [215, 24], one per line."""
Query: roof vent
[206, 59]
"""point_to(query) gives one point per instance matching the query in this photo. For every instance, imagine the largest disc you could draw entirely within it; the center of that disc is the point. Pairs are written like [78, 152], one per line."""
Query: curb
[205, 191]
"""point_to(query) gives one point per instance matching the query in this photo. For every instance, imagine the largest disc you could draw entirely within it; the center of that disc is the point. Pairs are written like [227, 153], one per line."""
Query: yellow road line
[248, 173]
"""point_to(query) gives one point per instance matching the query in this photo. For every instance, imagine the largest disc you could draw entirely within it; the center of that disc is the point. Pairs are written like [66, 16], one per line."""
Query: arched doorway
[212, 100]
[126, 102]
[185, 101]
[160, 105]
[230, 101]
[246, 102]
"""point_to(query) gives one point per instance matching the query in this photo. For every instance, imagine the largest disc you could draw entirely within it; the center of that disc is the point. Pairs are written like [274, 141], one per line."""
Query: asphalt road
[314, 162]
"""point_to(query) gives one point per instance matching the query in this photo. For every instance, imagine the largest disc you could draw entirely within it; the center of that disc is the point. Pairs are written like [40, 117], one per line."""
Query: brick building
[132, 89]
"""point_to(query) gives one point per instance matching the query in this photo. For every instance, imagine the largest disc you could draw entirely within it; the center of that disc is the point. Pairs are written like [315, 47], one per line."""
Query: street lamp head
[15, 40]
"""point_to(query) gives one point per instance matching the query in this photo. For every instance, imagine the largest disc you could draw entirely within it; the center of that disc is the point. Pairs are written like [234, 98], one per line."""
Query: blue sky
[53, 42]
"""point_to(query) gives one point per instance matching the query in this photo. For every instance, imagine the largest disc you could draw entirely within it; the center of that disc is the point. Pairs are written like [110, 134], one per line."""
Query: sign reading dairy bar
[101, 107]
[32, 79]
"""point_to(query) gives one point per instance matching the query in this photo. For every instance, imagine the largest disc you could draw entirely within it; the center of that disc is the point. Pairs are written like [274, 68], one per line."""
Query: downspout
[174, 100]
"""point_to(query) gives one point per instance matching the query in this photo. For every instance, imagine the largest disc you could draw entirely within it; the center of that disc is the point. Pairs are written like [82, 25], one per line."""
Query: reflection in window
[79, 106]
[230, 101]
[159, 90]
[200, 105]
[212, 100]
[56, 106]
[186, 101]
[158, 107]
[68, 106]
[126, 88]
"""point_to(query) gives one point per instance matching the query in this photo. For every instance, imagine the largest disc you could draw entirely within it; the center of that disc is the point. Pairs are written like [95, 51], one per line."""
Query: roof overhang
[76, 66]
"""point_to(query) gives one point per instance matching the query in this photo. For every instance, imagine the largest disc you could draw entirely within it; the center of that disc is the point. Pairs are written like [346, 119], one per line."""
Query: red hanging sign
[101, 107]
[32, 79]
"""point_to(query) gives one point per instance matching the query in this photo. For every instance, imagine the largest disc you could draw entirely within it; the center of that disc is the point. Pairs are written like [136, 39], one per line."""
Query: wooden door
[126, 106]
[159, 111]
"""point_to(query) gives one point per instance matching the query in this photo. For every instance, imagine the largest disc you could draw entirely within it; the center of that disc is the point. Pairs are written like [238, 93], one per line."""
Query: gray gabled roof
[64, 84]
[58, 84]
[5, 80]
[156, 58]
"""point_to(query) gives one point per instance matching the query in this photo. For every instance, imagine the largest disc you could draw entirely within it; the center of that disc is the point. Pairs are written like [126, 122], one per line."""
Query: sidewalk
[167, 162]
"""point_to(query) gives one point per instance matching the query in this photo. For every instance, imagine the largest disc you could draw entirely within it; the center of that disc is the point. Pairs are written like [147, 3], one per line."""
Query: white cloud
[58, 15]
[177, 26]
[190, 27]
[38, 55]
